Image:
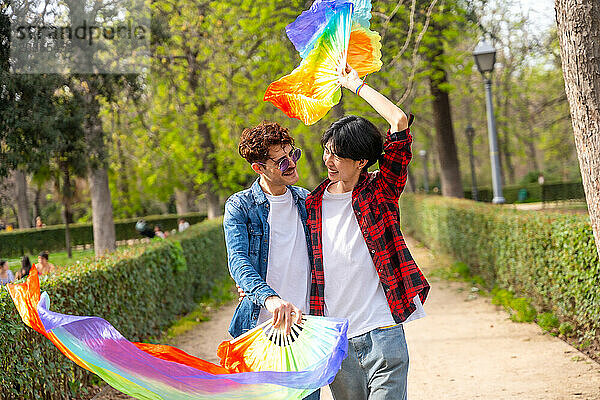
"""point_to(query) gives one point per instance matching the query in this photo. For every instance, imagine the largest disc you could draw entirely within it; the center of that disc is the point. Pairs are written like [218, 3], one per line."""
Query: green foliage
[520, 309]
[550, 259]
[139, 290]
[535, 192]
[511, 193]
[548, 322]
[462, 270]
[52, 238]
[563, 191]
[566, 329]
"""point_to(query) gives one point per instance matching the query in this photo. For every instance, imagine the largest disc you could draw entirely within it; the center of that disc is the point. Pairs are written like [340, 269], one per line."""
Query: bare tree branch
[414, 55]
[389, 18]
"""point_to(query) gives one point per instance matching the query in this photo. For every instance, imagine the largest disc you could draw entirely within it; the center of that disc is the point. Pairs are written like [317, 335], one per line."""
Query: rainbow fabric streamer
[291, 367]
[328, 35]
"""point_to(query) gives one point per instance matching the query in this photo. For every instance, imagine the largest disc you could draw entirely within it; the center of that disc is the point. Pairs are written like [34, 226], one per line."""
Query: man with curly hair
[266, 234]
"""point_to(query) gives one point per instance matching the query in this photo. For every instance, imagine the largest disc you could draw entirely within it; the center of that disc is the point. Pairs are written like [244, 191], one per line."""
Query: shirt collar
[260, 198]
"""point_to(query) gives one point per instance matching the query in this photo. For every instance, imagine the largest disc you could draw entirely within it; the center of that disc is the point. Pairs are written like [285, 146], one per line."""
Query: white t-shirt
[352, 286]
[183, 226]
[288, 270]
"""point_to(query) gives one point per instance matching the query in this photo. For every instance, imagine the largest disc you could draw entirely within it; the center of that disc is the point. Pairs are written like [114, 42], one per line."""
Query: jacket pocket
[255, 234]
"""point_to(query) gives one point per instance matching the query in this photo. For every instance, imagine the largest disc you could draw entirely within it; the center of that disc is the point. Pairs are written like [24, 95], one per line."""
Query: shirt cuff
[402, 135]
[264, 295]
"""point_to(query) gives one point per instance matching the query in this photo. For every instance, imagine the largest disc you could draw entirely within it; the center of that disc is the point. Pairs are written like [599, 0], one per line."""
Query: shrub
[139, 290]
[535, 192]
[52, 238]
[549, 258]
[548, 321]
[566, 329]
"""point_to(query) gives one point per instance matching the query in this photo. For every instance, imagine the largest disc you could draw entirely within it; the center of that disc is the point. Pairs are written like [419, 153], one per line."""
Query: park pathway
[466, 348]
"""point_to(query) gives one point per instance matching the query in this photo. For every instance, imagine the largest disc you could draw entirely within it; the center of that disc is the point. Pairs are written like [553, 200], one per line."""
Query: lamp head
[485, 57]
[470, 131]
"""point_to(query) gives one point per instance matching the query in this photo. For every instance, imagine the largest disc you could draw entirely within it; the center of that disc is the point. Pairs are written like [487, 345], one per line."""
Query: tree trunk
[508, 165]
[37, 204]
[446, 144]
[579, 37]
[213, 205]
[102, 212]
[22, 202]
[66, 217]
[67, 199]
[532, 153]
[213, 209]
[181, 201]
[209, 166]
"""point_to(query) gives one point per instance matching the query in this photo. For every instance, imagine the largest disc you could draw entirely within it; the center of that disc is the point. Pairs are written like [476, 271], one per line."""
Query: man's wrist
[272, 296]
[353, 85]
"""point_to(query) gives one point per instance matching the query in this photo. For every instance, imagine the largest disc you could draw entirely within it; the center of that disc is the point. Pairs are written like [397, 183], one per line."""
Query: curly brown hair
[255, 142]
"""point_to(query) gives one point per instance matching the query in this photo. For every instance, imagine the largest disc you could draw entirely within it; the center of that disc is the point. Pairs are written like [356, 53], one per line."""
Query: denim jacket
[247, 239]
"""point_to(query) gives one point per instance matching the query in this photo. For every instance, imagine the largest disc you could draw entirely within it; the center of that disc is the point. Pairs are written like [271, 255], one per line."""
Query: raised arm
[393, 165]
[389, 111]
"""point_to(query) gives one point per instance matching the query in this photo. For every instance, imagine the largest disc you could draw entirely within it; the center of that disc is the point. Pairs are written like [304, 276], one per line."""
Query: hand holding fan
[306, 348]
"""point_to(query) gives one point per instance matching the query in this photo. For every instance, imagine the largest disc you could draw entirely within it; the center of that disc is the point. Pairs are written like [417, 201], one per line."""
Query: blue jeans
[376, 367]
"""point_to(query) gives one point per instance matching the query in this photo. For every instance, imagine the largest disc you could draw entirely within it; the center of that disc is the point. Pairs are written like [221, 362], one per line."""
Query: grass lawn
[566, 207]
[58, 259]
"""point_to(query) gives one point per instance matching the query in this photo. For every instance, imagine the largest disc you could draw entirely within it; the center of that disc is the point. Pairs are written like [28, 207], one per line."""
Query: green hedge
[52, 238]
[548, 258]
[139, 290]
[563, 191]
[510, 193]
[535, 192]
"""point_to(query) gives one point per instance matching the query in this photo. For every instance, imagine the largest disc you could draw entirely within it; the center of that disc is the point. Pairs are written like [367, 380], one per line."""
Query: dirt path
[466, 348]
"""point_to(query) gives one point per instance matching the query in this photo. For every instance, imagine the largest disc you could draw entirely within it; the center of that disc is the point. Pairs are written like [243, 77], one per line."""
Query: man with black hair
[362, 269]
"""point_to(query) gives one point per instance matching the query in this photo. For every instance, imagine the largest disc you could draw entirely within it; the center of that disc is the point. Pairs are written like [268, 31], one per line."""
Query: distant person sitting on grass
[158, 232]
[6, 275]
[39, 223]
[25, 268]
[183, 225]
[44, 267]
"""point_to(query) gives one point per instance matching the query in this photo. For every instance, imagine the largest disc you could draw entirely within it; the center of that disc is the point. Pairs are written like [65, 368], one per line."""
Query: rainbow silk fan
[327, 36]
[261, 364]
[265, 348]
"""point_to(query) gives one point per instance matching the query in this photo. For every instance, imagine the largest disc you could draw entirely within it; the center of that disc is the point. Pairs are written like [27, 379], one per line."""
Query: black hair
[25, 267]
[355, 138]
[2, 262]
[44, 254]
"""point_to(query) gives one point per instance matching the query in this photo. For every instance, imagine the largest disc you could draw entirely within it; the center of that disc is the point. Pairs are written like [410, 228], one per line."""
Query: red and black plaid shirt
[375, 203]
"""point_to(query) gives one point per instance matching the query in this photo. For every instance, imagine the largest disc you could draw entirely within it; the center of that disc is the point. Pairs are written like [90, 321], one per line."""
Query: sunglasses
[284, 163]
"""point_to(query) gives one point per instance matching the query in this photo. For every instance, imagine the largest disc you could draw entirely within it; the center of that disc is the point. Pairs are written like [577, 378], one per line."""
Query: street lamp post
[485, 58]
[423, 155]
[470, 133]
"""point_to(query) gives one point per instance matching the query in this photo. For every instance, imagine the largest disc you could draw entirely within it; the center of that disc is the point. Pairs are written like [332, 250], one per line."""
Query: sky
[542, 11]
